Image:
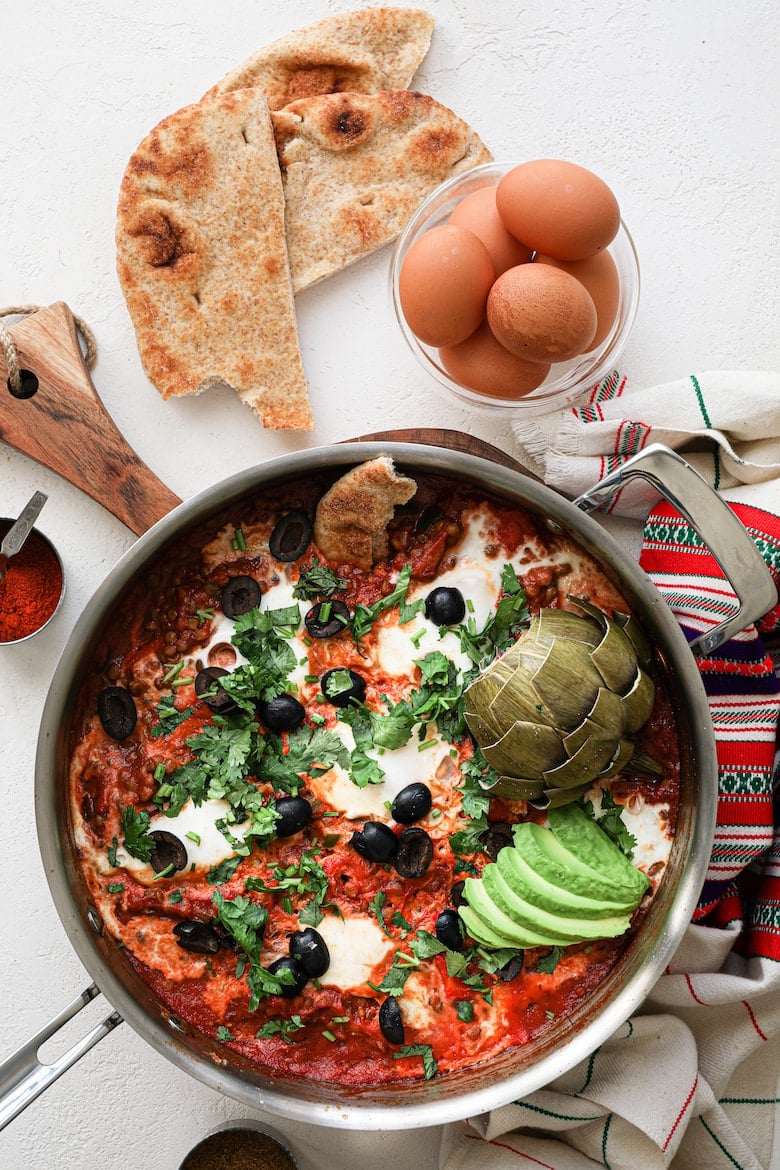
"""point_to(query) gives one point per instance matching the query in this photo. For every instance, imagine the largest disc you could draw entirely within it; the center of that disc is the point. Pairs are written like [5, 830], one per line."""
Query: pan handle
[727, 539]
[23, 1077]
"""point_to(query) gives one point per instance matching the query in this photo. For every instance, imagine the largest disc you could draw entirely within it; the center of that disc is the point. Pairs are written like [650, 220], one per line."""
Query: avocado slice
[481, 932]
[567, 928]
[512, 933]
[583, 838]
[532, 887]
[544, 853]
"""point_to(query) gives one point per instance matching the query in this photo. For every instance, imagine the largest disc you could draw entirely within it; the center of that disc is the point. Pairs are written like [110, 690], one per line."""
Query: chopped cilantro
[224, 871]
[243, 920]
[175, 897]
[365, 615]
[376, 906]
[115, 887]
[224, 1033]
[310, 751]
[426, 945]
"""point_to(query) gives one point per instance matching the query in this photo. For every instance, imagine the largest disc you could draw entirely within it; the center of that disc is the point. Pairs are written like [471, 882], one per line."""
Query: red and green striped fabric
[743, 880]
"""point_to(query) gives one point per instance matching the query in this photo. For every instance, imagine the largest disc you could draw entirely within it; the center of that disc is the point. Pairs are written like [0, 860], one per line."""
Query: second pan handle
[727, 539]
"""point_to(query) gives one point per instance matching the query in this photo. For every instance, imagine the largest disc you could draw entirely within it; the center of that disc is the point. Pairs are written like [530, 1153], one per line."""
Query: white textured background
[674, 104]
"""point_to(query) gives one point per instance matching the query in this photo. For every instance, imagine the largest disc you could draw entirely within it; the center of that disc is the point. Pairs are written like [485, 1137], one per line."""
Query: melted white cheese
[401, 766]
[357, 947]
[200, 820]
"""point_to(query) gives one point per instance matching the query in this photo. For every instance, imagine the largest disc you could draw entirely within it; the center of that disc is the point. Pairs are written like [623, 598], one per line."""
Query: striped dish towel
[692, 1081]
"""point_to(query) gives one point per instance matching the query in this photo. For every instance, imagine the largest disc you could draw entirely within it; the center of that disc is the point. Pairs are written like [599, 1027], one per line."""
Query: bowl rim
[574, 382]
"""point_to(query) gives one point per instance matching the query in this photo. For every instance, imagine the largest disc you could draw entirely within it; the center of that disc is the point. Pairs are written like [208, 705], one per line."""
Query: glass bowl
[567, 381]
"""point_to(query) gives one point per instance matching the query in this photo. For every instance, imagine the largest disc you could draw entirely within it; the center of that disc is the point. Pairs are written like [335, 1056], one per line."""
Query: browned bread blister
[202, 258]
[350, 525]
[364, 51]
[354, 168]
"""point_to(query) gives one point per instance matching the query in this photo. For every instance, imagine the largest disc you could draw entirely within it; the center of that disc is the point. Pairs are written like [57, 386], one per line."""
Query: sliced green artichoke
[560, 708]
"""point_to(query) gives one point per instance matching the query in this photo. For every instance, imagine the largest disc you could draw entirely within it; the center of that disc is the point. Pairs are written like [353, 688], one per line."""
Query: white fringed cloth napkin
[692, 1081]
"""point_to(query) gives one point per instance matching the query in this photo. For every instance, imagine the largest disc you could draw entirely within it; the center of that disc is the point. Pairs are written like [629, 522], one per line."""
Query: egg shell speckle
[482, 364]
[443, 285]
[600, 277]
[541, 313]
[478, 212]
[558, 208]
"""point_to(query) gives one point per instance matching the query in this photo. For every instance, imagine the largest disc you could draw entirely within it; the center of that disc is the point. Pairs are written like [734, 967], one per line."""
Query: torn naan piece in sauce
[365, 51]
[354, 168]
[350, 525]
[202, 259]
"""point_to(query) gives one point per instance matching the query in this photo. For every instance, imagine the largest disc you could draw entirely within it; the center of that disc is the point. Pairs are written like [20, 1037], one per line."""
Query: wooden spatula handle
[65, 426]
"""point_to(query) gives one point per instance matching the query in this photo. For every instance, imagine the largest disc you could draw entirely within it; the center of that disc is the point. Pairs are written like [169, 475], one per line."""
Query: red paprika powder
[31, 588]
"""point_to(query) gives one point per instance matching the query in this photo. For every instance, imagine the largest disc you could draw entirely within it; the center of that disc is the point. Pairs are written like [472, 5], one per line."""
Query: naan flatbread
[350, 524]
[202, 260]
[354, 168]
[364, 51]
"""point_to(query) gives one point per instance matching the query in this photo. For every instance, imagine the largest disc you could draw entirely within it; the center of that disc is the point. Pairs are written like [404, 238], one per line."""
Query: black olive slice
[456, 893]
[390, 1023]
[445, 606]
[512, 969]
[411, 804]
[375, 841]
[291, 537]
[197, 937]
[495, 838]
[327, 618]
[342, 687]
[208, 688]
[288, 990]
[282, 713]
[310, 951]
[117, 712]
[168, 851]
[449, 930]
[294, 812]
[415, 853]
[240, 595]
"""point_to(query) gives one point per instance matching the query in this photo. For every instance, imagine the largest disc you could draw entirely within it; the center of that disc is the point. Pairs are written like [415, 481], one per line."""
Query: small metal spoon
[19, 531]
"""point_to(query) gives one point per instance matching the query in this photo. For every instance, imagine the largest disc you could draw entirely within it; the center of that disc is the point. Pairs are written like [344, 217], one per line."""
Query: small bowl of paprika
[31, 591]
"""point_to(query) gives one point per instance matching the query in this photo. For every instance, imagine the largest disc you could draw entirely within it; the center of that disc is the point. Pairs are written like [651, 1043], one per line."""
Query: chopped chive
[159, 772]
[417, 638]
[306, 641]
[173, 672]
[469, 605]
[321, 698]
[287, 905]
[310, 677]
[193, 837]
[239, 541]
[204, 615]
[317, 719]
[325, 608]
[340, 1020]
[182, 682]
[550, 1015]
[169, 869]
[329, 1036]
[435, 814]
[426, 743]
[330, 813]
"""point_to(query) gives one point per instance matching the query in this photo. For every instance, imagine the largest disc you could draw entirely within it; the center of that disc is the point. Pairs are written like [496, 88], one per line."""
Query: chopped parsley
[376, 906]
[309, 751]
[284, 1029]
[224, 1033]
[219, 874]
[318, 581]
[612, 823]
[169, 716]
[430, 1067]
[549, 962]
[365, 615]
[502, 627]
[305, 877]
[115, 887]
[135, 826]
[465, 1010]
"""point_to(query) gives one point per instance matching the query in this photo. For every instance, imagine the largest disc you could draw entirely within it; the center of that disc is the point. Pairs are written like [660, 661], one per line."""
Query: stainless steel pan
[514, 1073]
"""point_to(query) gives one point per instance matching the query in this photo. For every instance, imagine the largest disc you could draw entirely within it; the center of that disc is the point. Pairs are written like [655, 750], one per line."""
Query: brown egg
[481, 364]
[558, 208]
[478, 213]
[541, 313]
[443, 285]
[600, 277]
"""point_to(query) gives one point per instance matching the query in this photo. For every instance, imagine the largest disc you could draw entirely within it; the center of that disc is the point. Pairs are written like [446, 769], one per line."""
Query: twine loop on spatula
[11, 356]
